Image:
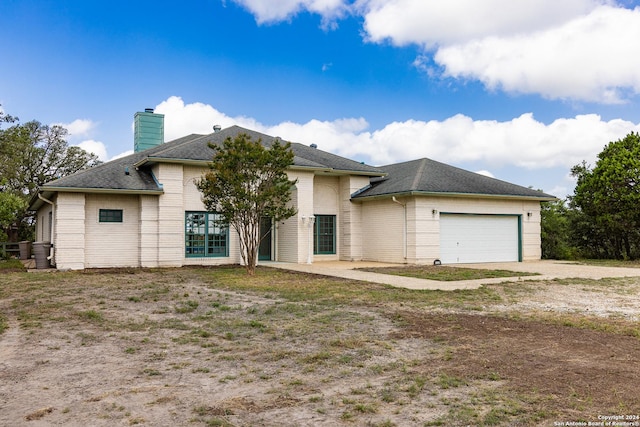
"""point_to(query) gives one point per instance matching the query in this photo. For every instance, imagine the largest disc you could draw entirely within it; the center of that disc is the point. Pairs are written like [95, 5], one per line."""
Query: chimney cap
[148, 110]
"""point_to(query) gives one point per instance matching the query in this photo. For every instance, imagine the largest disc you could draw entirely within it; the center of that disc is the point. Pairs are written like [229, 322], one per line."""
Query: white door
[478, 238]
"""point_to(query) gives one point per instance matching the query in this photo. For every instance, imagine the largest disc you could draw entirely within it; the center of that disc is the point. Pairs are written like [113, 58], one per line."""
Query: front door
[264, 250]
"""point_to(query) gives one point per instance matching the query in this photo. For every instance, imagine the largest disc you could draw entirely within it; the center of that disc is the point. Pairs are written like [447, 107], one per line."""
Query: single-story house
[144, 210]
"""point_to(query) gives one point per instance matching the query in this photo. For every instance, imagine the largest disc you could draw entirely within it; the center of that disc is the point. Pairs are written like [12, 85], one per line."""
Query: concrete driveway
[547, 270]
[551, 269]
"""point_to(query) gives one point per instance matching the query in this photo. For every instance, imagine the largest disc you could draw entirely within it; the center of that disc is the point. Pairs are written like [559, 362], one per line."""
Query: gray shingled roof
[192, 148]
[305, 156]
[417, 176]
[426, 176]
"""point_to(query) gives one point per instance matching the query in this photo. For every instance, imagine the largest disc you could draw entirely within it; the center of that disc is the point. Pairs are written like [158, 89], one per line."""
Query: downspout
[53, 224]
[404, 225]
[275, 240]
[312, 220]
[309, 221]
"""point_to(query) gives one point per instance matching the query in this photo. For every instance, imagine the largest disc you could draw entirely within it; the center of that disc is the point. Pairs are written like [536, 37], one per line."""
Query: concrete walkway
[547, 270]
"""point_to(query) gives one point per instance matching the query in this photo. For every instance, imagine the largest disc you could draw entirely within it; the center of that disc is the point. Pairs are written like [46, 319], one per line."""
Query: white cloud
[523, 141]
[181, 120]
[84, 128]
[268, 11]
[346, 137]
[561, 191]
[485, 173]
[95, 147]
[123, 154]
[594, 57]
[79, 127]
[432, 23]
[565, 187]
[583, 50]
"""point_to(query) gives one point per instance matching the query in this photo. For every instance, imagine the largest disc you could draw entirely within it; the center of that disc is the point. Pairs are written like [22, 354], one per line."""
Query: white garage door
[478, 238]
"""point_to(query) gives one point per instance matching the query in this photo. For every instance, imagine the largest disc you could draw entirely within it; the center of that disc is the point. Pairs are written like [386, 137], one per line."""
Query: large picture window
[203, 237]
[324, 235]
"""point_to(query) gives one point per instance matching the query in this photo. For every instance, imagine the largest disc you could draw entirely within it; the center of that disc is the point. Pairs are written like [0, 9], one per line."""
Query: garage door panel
[478, 238]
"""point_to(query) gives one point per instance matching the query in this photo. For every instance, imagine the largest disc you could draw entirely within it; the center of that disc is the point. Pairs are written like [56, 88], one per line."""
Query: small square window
[110, 215]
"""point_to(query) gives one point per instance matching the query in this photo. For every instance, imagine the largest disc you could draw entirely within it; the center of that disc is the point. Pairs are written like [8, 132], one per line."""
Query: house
[144, 210]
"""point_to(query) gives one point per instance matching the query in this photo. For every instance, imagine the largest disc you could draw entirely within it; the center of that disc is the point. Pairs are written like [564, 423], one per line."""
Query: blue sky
[519, 90]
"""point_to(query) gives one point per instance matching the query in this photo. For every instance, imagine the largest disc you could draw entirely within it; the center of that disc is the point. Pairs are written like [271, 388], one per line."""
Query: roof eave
[335, 171]
[456, 195]
[99, 190]
[48, 191]
[363, 173]
[152, 160]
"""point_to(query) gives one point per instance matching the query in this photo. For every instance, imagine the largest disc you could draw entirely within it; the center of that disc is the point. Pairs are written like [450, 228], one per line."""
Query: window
[110, 215]
[204, 237]
[324, 235]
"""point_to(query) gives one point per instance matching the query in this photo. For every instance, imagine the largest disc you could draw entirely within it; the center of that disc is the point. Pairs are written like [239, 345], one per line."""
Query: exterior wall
[152, 233]
[192, 201]
[287, 234]
[170, 215]
[109, 244]
[383, 224]
[326, 201]
[350, 218]
[44, 219]
[148, 231]
[424, 231]
[295, 235]
[383, 237]
[69, 231]
[191, 196]
[531, 232]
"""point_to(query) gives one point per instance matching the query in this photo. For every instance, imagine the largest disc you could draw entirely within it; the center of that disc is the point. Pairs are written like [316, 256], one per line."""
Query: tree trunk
[627, 246]
[251, 261]
[249, 241]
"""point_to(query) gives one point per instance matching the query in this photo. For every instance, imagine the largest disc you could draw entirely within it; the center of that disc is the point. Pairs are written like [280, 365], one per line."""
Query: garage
[467, 238]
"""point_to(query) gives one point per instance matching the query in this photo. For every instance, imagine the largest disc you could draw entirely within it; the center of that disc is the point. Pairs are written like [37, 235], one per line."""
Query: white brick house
[144, 210]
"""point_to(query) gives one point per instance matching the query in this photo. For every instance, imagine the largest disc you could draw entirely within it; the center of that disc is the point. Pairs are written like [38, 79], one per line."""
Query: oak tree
[606, 199]
[32, 154]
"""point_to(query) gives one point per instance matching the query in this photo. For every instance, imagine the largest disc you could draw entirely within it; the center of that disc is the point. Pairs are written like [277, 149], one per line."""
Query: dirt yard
[212, 347]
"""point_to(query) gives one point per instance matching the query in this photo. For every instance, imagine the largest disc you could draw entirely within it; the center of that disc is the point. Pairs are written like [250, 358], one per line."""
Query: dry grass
[211, 346]
[445, 272]
[11, 265]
